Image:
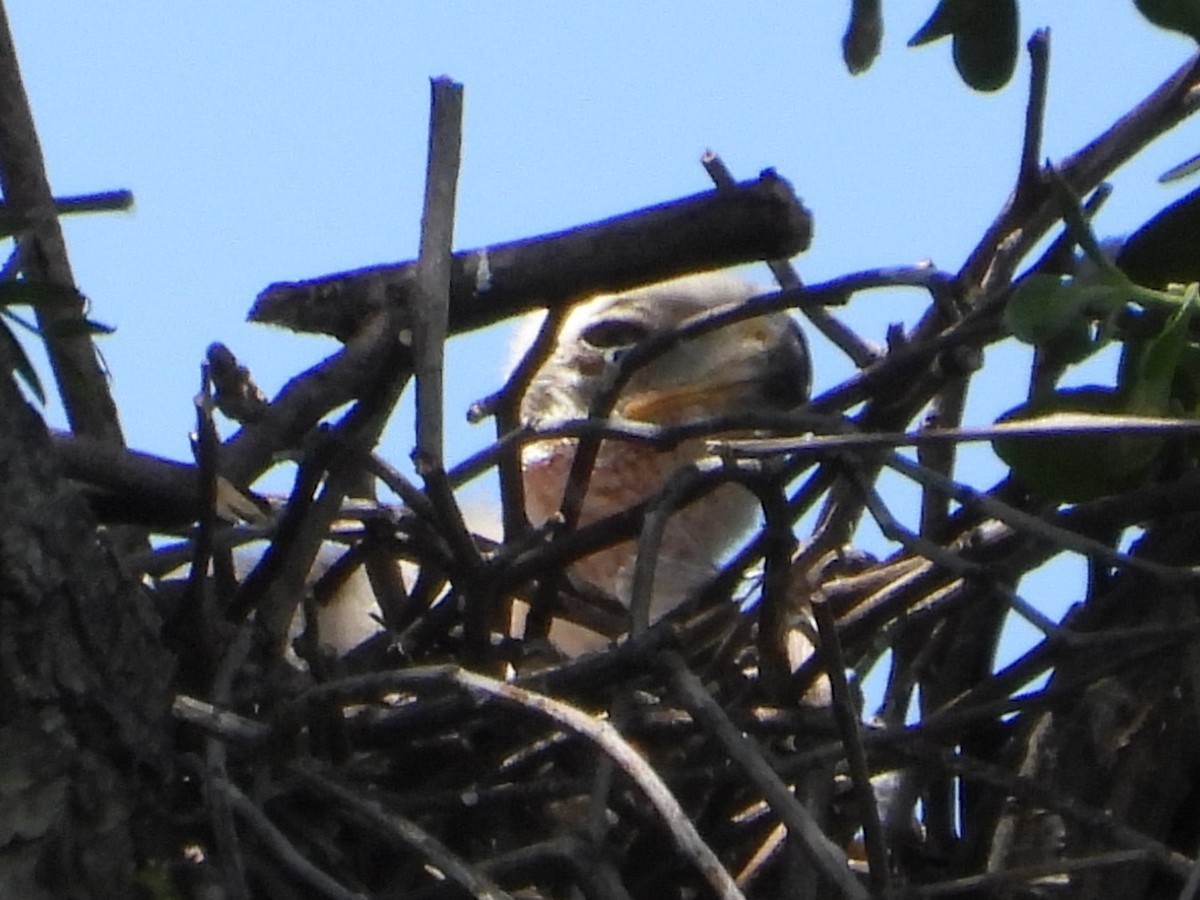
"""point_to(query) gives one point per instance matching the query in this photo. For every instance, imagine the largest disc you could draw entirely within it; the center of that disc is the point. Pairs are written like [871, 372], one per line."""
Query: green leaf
[1186, 389]
[985, 47]
[985, 39]
[1080, 229]
[1177, 15]
[1166, 250]
[1074, 344]
[863, 37]
[1046, 308]
[21, 364]
[1149, 391]
[946, 19]
[1073, 468]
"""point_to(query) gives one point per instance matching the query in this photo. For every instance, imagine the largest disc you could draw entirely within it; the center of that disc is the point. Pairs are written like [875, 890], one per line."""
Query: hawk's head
[761, 362]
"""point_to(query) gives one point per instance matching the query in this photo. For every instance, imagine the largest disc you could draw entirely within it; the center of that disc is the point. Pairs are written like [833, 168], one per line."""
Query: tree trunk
[84, 684]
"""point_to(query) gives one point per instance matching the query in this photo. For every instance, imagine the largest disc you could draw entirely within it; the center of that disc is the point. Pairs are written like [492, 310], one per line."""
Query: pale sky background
[277, 141]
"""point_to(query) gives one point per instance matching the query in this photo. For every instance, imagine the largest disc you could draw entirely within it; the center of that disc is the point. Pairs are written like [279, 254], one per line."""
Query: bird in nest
[759, 363]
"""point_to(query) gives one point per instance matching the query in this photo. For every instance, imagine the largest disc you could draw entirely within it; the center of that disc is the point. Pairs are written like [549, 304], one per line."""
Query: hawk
[757, 363]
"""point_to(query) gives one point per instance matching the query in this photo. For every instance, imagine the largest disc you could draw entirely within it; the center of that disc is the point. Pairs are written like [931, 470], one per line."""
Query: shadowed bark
[85, 733]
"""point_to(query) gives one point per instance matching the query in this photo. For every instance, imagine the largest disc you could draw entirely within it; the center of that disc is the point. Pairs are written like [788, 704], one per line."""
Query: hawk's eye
[614, 333]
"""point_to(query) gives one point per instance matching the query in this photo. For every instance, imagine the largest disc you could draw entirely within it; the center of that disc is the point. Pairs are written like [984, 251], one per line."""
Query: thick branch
[307, 398]
[761, 219]
[128, 486]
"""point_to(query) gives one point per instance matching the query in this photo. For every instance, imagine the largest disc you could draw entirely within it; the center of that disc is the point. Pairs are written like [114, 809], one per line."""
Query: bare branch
[761, 219]
[800, 822]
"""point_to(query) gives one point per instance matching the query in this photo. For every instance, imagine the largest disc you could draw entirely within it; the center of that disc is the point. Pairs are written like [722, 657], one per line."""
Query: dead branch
[760, 219]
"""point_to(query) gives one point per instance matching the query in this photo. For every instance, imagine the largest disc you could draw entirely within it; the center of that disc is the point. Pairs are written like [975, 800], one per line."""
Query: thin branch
[430, 314]
[967, 570]
[1029, 172]
[945, 412]
[909, 362]
[780, 598]
[846, 715]
[785, 274]
[408, 492]
[799, 821]
[283, 849]
[230, 863]
[659, 510]
[201, 604]
[1019, 226]
[1047, 427]
[332, 462]
[104, 201]
[505, 406]
[1008, 878]
[599, 732]
[307, 398]
[391, 826]
[1041, 795]
[218, 722]
[1032, 524]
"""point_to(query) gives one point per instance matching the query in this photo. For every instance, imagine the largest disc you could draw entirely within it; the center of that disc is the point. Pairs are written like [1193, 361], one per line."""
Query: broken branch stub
[754, 220]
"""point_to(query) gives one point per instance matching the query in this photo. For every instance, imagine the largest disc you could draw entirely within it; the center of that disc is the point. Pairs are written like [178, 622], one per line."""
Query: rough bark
[84, 684]
[1127, 743]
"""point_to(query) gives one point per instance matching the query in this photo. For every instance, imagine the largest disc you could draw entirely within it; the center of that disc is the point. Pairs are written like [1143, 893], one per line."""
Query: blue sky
[277, 141]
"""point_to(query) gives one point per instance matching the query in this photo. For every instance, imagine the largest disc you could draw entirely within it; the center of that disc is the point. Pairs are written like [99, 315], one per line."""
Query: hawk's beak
[775, 376]
[691, 401]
